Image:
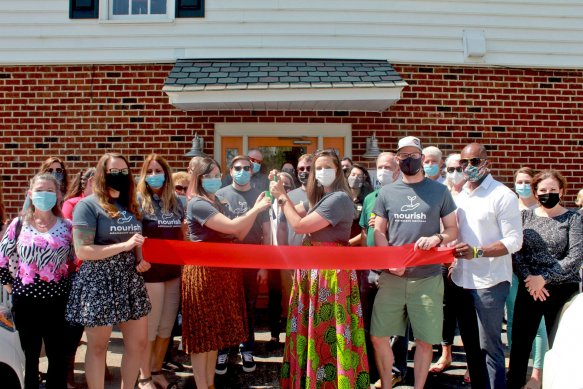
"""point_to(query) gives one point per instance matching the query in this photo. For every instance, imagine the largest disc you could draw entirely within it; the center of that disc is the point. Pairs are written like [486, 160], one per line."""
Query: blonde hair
[579, 200]
[56, 210]
[180, 176]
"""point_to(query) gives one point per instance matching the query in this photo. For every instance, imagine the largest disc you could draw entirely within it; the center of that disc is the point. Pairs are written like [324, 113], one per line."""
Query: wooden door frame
[319, 131]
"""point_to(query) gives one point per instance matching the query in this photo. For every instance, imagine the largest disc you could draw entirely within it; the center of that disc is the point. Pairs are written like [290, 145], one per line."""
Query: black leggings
[39, 320]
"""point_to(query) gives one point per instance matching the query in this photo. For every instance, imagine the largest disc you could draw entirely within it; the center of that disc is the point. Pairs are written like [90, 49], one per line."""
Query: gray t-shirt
[199, 211]
[239, 203]
[89, 214]
[338, 210]
[413, 211]
[295, 197]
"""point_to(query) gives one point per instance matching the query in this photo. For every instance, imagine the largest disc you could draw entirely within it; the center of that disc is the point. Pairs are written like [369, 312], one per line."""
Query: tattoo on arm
[83, 236]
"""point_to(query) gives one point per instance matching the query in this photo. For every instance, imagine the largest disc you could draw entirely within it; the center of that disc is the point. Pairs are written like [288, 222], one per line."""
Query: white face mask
[325, 176]
[385, 176]
[455, 177]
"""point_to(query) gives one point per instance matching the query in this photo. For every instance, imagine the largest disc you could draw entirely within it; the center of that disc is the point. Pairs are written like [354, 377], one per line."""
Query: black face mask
[303, 177]
[549, 200]
[410, 166]
[118, 182]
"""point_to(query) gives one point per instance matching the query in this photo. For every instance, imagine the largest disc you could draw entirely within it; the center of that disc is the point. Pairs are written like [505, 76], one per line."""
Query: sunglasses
[57, 170]
[458, 169]
[180, 188]
[409, 155]
[115, 172]
[256, 160]
[238, 168]
[304, 169]
[472, 161]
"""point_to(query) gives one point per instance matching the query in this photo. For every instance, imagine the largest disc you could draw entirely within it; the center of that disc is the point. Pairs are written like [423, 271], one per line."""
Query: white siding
[534, 33]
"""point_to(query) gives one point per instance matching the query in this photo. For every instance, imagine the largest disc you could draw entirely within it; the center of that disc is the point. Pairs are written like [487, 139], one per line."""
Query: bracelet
[440, 237]
[475, 252]
[282, 200]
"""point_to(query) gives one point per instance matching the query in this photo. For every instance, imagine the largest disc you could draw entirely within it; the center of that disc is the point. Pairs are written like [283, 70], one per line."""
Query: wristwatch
[440, 238]
[281, 200]
[478, 252]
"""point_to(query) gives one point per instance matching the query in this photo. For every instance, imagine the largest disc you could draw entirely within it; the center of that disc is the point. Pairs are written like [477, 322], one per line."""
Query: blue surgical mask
[44, 201]
[431, 170]
[242, 177]
[523, 190]
[156, 180]
[58, 176]
[211, 185]
[256, 167]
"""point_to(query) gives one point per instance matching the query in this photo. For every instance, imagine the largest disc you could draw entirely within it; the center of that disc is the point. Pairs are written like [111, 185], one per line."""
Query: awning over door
[278, 84]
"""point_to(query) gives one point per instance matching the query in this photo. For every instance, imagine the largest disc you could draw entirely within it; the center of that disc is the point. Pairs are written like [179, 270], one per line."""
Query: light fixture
[197, 147]
[372, 147]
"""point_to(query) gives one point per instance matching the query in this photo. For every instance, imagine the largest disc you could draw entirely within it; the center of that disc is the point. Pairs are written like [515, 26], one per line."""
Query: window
[136, 9]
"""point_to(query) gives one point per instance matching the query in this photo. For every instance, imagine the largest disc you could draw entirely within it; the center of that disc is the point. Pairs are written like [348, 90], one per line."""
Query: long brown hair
[168, 197]
[79, 183]
[101, 190]
[199, 168]
[44, 168]
[315, 191]
[56, 210]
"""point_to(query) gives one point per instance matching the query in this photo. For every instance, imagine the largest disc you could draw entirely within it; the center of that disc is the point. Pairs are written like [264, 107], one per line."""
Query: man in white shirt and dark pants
[490, 230]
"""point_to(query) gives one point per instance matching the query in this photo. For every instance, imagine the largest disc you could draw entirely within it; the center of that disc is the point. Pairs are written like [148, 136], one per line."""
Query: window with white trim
[136, 10]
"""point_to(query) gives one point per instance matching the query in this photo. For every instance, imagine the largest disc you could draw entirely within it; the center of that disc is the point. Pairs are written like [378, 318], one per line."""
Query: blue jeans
[480, 315]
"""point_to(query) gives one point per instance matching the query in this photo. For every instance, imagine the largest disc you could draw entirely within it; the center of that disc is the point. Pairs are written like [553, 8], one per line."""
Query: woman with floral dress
[35, 257]
[325, 342]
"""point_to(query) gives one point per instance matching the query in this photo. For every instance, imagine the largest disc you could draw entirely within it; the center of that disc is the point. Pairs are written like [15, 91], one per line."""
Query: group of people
[74, 260]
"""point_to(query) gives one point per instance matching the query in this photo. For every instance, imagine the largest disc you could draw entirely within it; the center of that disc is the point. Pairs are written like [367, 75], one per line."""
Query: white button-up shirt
[486, 215]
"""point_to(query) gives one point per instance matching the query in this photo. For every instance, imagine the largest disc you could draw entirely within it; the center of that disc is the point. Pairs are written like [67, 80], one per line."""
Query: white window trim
[105, 14]
[246, 130]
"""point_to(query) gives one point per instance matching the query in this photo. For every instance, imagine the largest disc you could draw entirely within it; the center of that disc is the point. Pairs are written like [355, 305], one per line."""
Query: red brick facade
[526, 117]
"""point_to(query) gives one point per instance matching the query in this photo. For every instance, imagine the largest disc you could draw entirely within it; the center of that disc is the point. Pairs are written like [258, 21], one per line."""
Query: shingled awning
[280, 84]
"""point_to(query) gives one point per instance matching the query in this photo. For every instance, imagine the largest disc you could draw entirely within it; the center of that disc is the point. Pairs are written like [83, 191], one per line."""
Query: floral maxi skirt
[325, 341]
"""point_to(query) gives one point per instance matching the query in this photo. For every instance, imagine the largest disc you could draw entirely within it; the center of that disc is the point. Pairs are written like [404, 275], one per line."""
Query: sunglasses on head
[115, 172]
[472, 161]
[57, 170]
[458, 169]
[304, 169]
[238, 168]
[256, 160]
[180, 188]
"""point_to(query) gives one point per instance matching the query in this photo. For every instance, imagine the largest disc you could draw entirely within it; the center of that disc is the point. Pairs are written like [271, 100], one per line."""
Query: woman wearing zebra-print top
[36, 254]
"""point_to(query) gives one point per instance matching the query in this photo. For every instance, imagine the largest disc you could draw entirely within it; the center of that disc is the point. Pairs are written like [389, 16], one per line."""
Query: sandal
[142, 382]
[439, 367]
[467, 377]
[171, 385]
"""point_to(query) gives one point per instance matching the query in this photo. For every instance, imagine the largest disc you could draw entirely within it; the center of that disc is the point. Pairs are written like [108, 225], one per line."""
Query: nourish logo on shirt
[408, 213]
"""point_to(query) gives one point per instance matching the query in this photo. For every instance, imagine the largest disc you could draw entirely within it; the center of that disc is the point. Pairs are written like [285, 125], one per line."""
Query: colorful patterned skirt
[325, 342]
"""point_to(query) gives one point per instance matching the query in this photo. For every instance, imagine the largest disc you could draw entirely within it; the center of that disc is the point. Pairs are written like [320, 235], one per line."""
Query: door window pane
[121, 7]
[158, 7]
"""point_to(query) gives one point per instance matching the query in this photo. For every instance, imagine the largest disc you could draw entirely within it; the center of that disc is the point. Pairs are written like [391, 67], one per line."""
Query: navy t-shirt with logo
[162, 225]
[89, 214]
[413, 211]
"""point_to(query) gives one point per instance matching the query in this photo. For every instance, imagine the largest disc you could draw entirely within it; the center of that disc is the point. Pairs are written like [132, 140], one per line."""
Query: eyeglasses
[415, 155]
[472, 161]
[458, 169]
[57, 170]
[115, 172]
[256, 160]
[303, 168]
[180, 188]
[238, 168]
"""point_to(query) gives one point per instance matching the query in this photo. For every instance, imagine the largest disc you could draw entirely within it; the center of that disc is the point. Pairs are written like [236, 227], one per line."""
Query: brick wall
[530, 117]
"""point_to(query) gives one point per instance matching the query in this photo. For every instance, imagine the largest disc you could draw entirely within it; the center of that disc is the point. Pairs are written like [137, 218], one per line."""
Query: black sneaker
[221, 367]
[249, 364]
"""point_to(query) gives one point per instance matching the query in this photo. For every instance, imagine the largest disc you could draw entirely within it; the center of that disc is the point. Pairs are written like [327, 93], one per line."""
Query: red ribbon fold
[290, 257]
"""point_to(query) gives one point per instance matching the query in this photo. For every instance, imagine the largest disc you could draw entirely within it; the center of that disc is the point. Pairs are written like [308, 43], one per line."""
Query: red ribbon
[290, 257]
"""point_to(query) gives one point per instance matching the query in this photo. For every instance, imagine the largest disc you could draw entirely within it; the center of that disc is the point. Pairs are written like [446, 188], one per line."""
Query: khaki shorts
[418, 300]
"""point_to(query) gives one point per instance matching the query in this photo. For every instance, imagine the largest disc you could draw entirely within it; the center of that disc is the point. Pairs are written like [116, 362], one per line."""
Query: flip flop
[439, 367]
[467, 377]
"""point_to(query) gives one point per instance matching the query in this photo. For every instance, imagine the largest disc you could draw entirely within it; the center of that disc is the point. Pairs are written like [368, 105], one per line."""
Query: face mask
[288, 171]
[326, 176]
[384, 176]
[410, 166]
[523, 190]
[354, 182]
[242, 177]
[431, 170]
[156, 180]
[475, 173]
[549, 200]
[44, 201]
[118, 182]
[303, 177]
[211, 185]
[58, 176]
[256, 167]
[455, 177]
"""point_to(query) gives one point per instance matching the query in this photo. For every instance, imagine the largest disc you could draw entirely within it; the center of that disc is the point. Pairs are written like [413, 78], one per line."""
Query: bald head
[474, 150]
